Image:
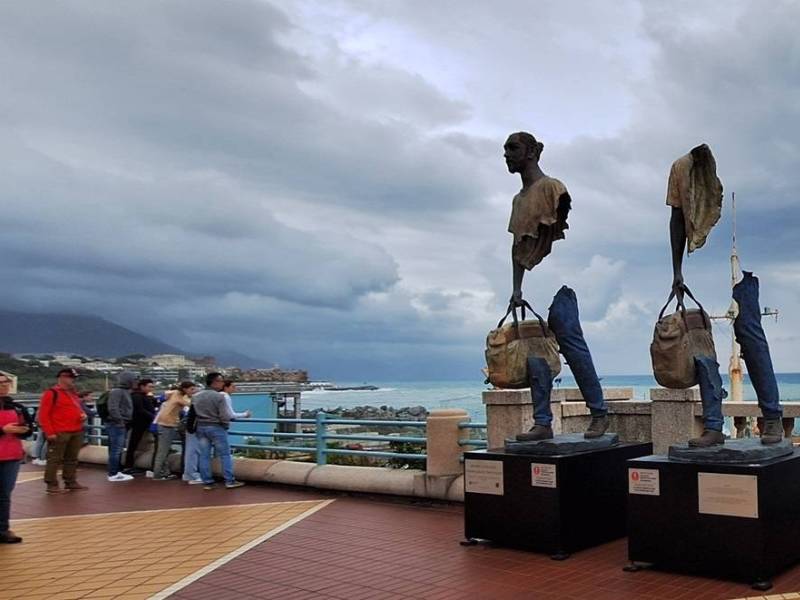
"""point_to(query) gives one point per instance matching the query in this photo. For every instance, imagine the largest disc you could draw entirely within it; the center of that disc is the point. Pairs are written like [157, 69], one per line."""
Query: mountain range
[39, 333]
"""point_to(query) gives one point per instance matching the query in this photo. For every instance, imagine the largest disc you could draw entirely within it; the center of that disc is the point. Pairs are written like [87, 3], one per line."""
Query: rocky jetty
[378, 413]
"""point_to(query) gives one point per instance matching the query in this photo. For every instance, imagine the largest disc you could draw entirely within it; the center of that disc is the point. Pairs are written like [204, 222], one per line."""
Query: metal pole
[320, 432]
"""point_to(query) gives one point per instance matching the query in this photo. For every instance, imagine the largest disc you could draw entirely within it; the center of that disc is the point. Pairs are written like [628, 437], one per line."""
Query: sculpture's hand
[516, 299]
[678, 288]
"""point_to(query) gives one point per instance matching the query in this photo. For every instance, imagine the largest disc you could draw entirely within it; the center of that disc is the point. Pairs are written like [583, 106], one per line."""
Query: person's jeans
[62, 453]
[755, 349]
[137, 433]
[711, 391]
[564, 322]
[8, 479]
[541, 380]
[40, 446]
[216, 436]
[191, 457]
[116, 444]
[166, 435]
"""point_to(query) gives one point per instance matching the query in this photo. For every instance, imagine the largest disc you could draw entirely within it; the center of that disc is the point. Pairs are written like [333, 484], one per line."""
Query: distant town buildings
[164, 368]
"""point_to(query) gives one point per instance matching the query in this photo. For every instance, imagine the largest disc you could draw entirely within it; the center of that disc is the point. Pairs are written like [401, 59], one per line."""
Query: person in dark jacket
[144, 411]
[120, 415]
[15, 424]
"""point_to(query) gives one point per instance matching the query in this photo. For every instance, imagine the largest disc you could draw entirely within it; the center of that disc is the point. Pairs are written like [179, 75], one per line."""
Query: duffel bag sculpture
[509, 346]
[677, 339]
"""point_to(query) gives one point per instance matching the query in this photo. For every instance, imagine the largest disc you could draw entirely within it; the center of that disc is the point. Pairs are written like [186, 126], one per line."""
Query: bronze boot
[708, 439]
[537, 432]
[773, 431]
[597, 427]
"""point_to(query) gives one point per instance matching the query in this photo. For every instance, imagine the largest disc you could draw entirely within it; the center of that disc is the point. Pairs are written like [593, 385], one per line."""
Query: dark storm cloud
[322, 184]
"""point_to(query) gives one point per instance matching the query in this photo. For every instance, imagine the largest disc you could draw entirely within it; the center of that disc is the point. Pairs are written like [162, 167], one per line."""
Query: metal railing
[470, 441]
[321, 448]
[318, 444]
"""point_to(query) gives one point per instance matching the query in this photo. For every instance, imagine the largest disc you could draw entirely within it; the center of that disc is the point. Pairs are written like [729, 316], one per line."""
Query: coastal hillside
[85, 335]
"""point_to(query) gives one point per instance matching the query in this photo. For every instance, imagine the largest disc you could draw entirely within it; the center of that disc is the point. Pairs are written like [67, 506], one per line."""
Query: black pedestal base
[738, 521]
[550, 504]
[748, 450]
[568, 443]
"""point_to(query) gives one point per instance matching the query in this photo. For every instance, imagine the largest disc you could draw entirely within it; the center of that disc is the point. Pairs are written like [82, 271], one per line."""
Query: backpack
[191, 420]
[677, 339]
[509, 346]
[101, 404]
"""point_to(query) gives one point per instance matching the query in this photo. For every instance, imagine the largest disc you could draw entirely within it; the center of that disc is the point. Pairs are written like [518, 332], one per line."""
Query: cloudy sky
[321, 184]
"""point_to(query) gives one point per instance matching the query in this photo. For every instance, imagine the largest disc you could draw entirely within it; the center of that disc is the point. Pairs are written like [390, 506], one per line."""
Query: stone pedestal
[677, 415]
[738, 521]
[552, 504]
[509, 412]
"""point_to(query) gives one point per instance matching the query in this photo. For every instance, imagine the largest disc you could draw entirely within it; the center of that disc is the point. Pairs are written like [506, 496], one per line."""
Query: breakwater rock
[408, 413]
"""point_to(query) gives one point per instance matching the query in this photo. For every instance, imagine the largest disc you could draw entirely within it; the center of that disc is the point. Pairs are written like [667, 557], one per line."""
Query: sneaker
[120, 477]
[233, 484]
[537, 432]
[195, 481]
[75, 486]
[9, 537]
[149, 474]
[39, 462]
[209, 486]
[169, 477]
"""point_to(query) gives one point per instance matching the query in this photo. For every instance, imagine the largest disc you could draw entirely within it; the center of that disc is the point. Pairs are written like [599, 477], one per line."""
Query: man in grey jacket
[213, 419]
[120, 413]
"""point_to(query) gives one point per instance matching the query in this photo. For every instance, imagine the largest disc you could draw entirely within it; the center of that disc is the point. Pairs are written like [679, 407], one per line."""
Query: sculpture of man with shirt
[694, 193]
[538, 218]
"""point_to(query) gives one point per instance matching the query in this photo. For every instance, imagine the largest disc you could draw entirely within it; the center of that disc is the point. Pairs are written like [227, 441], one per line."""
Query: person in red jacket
[62, 419]
[15, 423]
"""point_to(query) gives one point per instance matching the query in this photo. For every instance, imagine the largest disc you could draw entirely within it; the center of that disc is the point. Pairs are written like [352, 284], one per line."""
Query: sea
[467, 394]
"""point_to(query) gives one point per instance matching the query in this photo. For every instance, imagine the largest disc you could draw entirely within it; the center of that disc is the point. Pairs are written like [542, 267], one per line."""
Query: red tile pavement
[382, 548]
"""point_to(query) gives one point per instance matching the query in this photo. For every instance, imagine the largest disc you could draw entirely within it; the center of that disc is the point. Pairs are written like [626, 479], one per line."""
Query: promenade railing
[322, 443]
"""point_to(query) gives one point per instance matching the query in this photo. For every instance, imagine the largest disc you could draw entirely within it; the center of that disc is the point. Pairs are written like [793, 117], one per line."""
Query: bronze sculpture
[694, 193]
[539, 218]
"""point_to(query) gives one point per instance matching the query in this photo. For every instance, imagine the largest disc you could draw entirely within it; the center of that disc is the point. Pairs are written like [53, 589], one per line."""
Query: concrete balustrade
[509, 412]
[443, 449]
[669, 417]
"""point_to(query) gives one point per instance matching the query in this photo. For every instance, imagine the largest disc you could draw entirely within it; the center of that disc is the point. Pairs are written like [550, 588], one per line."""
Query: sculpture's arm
[677, 236]
[519, 273]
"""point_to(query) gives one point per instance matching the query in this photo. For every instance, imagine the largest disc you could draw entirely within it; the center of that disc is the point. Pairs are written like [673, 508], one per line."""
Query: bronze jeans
[63, 452]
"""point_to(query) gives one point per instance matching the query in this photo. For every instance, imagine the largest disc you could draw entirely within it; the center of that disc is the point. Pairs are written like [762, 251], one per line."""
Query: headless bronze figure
[694, 193]
[538, 218]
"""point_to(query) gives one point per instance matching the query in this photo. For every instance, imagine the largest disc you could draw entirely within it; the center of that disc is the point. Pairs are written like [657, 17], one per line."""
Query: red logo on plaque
[635, 475]
[535, 470]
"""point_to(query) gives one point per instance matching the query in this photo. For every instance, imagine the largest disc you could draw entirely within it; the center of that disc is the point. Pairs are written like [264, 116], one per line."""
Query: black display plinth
[552, 504]
[738, 521]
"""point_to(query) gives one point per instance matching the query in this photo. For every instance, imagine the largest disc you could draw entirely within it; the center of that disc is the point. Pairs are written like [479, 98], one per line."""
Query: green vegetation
[34, 377]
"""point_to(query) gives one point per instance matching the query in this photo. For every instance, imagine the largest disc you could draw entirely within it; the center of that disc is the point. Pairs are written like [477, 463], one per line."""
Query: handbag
[508, 347]
[677, 339]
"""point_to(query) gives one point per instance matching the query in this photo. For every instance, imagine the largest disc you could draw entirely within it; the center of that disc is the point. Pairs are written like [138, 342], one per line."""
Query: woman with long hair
[168, 421]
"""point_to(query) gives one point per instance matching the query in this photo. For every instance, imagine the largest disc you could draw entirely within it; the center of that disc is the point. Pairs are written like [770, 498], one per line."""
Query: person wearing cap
[62, 420]
[15, 423]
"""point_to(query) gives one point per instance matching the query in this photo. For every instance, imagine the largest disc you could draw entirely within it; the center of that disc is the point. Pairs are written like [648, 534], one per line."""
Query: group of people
[200, 419]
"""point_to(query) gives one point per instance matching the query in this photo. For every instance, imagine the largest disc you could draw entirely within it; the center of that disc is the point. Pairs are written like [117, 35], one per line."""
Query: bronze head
[520, 150]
